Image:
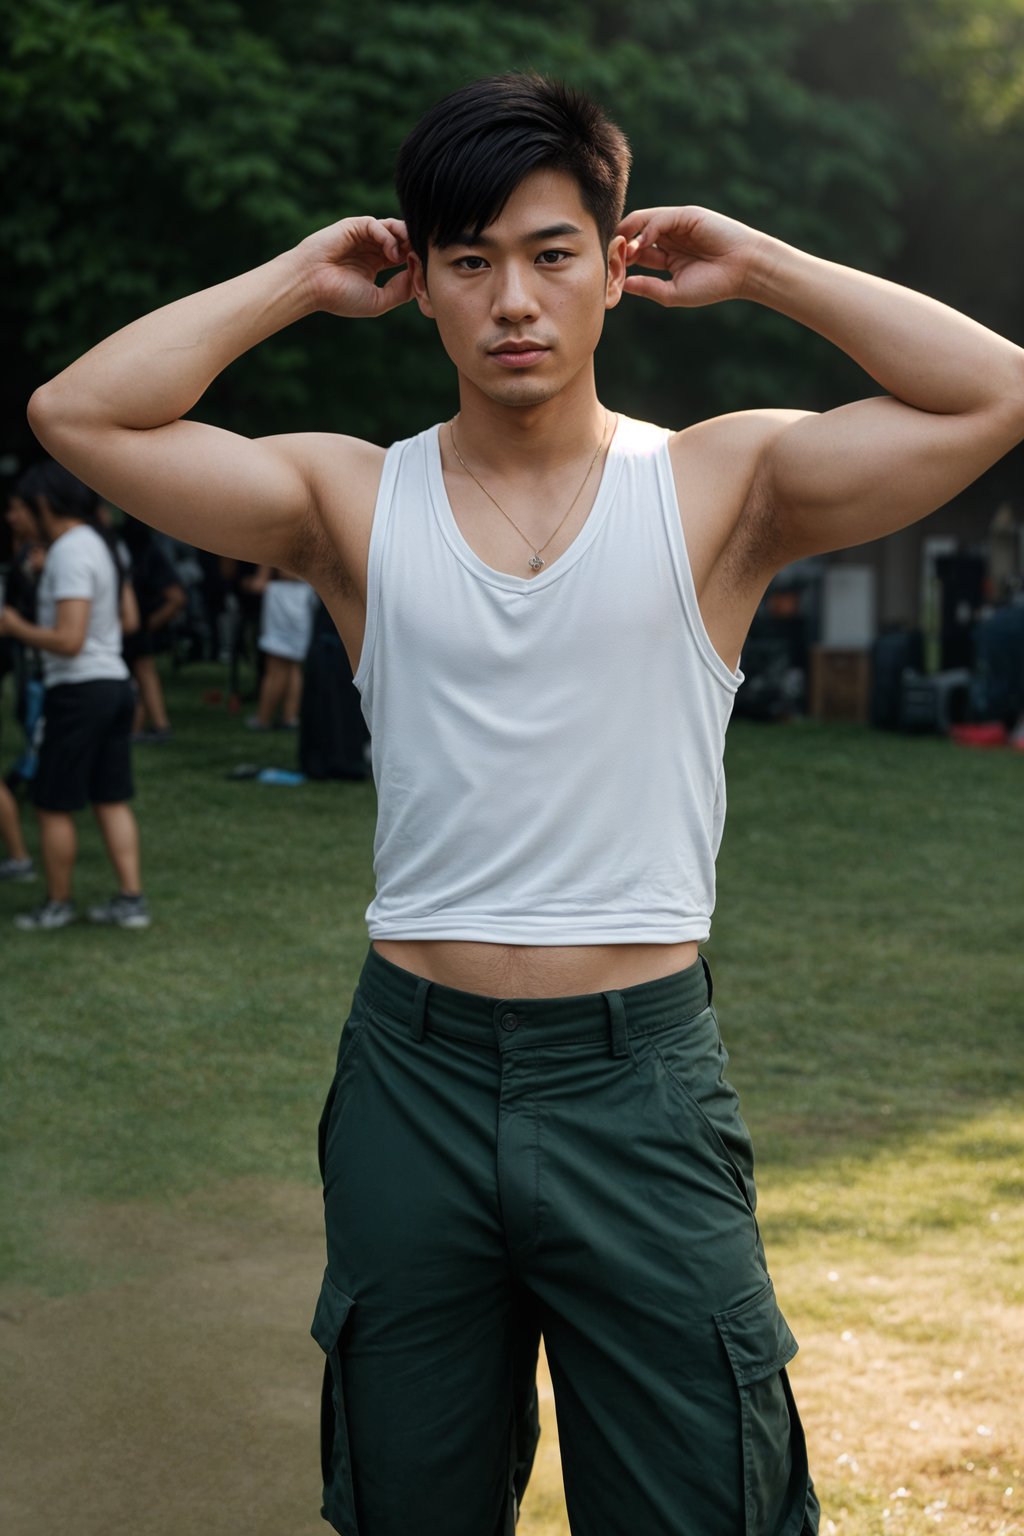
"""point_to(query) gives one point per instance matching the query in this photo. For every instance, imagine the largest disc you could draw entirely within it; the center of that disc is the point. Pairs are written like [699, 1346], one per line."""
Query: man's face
[537, 275]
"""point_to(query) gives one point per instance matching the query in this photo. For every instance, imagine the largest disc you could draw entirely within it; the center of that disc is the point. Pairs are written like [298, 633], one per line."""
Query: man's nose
[514, 299]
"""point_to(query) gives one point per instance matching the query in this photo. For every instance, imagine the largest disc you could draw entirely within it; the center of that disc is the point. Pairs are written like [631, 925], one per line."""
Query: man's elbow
[38, 407]
[52, 409]
[45, 412]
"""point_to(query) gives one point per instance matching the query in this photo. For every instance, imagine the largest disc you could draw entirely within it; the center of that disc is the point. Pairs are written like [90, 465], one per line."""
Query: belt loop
[617, 1016]
[707, 977]
[419, 1009]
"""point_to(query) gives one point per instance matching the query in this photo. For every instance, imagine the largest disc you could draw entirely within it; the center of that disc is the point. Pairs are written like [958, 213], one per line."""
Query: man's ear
[616, 271]
[419, 285]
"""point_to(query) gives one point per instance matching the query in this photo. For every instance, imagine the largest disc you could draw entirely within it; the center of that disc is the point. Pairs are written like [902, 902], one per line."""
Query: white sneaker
[17, 869]
[52, 914]
[122, 911]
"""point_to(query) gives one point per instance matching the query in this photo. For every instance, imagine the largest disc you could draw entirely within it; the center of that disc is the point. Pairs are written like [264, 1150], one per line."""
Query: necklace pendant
[536, 562]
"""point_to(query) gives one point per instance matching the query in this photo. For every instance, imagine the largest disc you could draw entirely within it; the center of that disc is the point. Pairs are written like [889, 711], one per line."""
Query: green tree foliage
[945, 70]
[974, 52]
[148, 150]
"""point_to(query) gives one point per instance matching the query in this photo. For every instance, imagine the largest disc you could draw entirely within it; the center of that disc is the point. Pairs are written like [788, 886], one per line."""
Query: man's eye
[465, 262]
[553, 258]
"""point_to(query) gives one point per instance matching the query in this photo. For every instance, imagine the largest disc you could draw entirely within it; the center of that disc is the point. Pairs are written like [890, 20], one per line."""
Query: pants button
[510, 1021]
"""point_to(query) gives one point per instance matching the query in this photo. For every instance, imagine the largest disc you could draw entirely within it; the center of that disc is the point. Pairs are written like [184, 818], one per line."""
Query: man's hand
[343, 261]
[707, 256]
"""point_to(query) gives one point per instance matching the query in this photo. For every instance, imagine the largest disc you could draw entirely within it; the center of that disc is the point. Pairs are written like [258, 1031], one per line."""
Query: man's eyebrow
[551, 232]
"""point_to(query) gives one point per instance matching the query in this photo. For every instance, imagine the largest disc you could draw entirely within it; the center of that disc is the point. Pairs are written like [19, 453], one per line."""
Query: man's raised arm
[114, 417]
[955, 390]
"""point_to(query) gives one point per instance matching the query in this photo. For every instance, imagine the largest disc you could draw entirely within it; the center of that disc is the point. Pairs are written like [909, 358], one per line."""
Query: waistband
[507, 1022]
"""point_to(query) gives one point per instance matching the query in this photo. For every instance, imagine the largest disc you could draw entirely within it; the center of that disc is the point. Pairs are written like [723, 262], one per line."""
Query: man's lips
[518, 354]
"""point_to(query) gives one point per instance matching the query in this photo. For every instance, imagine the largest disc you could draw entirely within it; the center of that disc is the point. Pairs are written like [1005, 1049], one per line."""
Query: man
[84, 608]
[544, 605]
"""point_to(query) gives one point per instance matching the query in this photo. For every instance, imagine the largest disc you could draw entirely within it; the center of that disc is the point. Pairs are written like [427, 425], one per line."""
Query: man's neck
[529, 438]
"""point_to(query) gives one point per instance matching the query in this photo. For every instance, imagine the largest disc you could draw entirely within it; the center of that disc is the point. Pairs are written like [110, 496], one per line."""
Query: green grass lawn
[867, 962]
[866, 951]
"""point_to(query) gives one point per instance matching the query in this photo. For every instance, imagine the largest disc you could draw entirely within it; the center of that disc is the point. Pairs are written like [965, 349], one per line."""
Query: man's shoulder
[343, 475]
[315, 452]
[342, 472]
[734, 436]
[716, 467]
[345, 472]
[719, 463]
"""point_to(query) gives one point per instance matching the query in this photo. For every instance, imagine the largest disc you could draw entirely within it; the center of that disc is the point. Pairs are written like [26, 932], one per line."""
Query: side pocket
[350, 1032]
[759, 1344]
[694, 1059]
[329, 1321]
[350, 1036]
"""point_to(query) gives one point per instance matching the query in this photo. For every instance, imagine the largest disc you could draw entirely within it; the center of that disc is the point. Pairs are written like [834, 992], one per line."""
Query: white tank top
[547, 750]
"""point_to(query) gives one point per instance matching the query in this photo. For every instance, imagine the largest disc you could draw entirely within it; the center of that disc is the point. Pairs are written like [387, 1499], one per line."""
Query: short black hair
[66, 495]
[465, 157]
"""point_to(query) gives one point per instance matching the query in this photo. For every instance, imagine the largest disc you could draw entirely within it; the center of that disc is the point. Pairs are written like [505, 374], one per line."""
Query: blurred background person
[18, 864]
[83, 605]
[25, 666]
[161, 598]
[286, 627]
[28, 552]
[333, 736]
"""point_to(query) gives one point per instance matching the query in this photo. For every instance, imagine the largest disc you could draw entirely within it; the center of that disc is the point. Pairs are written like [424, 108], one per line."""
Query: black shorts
[141, 643]
[85, 754]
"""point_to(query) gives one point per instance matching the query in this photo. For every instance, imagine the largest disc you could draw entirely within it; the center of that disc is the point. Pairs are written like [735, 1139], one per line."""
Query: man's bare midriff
[515, 970]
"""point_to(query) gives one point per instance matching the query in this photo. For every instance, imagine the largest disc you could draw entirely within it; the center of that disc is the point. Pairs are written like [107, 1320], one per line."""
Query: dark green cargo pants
[573, 1166]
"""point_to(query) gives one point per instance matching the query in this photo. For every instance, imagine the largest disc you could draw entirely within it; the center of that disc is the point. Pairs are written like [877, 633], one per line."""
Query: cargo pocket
[775, 1483]
[329, 1320]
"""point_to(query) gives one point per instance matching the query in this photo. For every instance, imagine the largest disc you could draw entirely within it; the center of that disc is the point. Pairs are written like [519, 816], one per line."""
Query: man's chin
[522, 392]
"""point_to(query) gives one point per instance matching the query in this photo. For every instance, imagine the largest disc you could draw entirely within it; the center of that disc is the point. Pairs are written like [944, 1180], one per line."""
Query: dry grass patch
[903, 1278]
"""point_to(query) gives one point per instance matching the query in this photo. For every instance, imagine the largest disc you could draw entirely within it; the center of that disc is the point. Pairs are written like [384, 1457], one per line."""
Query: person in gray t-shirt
[85, 750]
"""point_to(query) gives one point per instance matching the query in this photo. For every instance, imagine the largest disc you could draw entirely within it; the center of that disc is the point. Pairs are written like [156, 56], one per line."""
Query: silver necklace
[537, 558]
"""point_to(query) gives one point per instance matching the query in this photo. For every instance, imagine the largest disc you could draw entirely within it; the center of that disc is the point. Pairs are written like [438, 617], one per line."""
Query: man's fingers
[649, 288]
[392, 242]
[387, 242]
[398, 229]
[400, 236]
[647, 256]
[644, 225]
[634, 222]
[397, 290]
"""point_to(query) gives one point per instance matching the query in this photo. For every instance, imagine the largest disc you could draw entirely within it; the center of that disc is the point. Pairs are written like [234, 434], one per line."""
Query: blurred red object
[987, 733]
[213, 696]
[234, 704]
